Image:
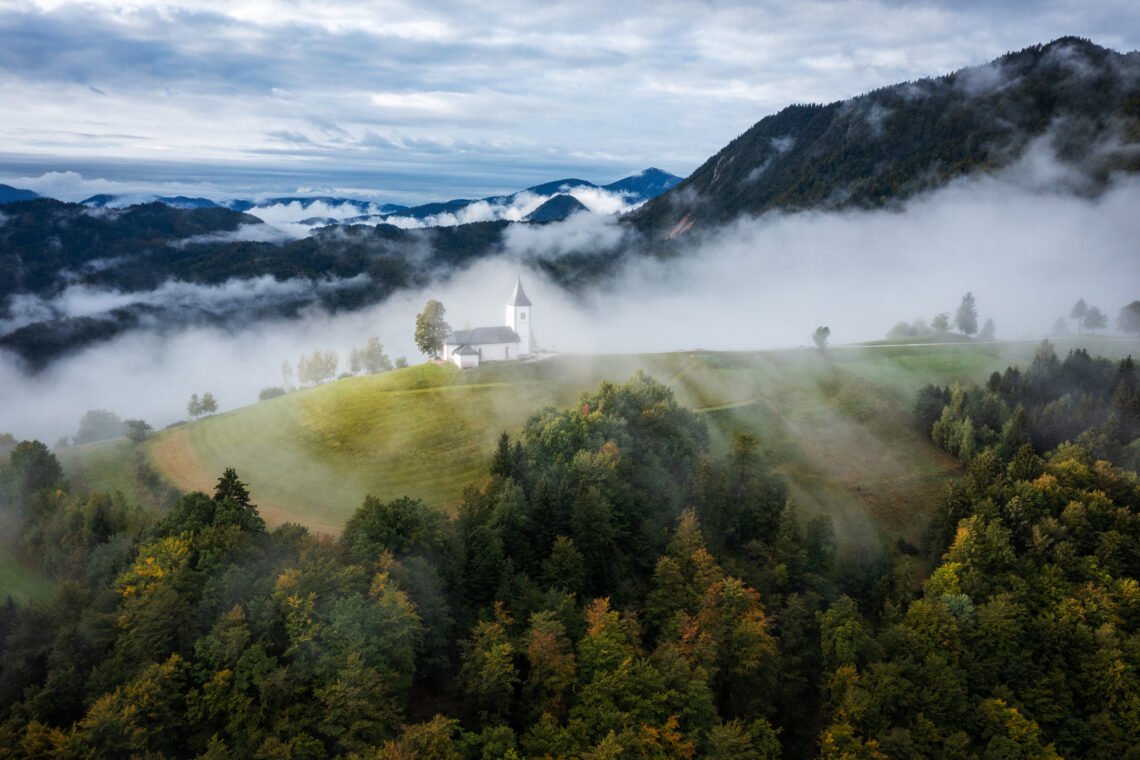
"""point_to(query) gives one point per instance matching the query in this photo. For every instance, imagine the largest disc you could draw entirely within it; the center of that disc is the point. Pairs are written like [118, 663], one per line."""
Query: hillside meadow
[837, 425]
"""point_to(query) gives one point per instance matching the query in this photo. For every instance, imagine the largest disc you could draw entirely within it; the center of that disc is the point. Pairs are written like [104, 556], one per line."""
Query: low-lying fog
[1026, 253]
[298, 219]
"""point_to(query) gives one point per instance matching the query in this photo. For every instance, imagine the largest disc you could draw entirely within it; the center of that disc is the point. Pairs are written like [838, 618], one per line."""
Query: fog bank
[1025, 252]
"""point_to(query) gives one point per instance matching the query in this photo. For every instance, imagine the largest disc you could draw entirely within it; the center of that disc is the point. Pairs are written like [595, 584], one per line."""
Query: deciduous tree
[1080, 309]
[966, 318]
[1094, 319]
[1129, 318]
[488, 674]
[431, 328]
[98, 425]
[373, 358]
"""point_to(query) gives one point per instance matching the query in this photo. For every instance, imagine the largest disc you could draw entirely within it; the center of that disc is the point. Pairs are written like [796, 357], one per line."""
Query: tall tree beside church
[431, 328]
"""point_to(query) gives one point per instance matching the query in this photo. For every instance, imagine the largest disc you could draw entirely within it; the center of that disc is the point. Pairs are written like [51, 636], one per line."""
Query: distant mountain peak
[556, 209]
[9, 194]
[559, 186]
[646, 184]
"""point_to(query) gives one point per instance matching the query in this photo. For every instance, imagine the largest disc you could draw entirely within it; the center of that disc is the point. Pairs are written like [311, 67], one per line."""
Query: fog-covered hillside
[1076, 100]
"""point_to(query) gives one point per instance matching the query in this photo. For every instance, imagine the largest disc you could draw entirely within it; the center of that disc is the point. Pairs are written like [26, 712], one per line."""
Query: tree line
[321, 367]
[965, 319]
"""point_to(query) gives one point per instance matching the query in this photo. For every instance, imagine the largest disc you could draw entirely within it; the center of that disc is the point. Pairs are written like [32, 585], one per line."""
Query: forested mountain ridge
[889, 144]
[47, 246]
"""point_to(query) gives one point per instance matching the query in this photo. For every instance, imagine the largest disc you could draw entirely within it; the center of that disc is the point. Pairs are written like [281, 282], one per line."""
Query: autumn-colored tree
[552, 675]
[431, 329]
[489, 675]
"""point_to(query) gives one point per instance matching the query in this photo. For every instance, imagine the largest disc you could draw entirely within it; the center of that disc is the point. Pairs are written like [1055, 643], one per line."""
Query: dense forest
[609, 590]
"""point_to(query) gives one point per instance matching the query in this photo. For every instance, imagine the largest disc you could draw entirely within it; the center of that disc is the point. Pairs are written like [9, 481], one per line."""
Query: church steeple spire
[518, 298]
[519, 319]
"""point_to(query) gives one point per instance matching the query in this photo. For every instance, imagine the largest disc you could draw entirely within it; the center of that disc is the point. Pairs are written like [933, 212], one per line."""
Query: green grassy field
[20, 582]
[837, 425]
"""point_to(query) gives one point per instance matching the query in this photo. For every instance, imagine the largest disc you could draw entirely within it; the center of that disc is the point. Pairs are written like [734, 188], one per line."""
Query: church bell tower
[519, 319]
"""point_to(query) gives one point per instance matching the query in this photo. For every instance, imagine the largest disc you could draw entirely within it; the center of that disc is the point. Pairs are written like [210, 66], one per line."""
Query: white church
[514, 340]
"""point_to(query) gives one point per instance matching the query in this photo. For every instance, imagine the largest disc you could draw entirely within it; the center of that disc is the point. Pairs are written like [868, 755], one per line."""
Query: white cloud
[73, 186]
[466, 94]
[587, 233]
[245, 233]
[233, 296]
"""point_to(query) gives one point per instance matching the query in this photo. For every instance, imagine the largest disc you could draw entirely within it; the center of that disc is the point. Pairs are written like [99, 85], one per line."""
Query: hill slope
[9, 194]
[837, 426]
[1082, 99]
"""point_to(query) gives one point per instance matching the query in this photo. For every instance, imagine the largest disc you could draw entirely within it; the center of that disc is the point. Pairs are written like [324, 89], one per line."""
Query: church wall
[469, 361]
[496, 352]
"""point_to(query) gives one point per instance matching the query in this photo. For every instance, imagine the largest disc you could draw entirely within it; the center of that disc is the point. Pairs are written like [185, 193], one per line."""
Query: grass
[117, 465]
[20, 582]
[313, 455]
[837, 425]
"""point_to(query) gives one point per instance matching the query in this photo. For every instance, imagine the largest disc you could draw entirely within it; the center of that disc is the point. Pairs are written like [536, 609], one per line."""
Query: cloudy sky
[409, 102]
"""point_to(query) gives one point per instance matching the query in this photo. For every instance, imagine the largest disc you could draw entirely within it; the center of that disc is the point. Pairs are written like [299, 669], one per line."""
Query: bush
[138, 430]
[272, 391]
[901, 330]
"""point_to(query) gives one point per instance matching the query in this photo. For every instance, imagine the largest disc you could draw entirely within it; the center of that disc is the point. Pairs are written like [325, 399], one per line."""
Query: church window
[522, 315]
